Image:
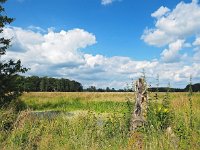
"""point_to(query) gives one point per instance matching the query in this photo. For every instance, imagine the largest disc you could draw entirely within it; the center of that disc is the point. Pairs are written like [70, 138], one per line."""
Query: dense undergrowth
[167, 127]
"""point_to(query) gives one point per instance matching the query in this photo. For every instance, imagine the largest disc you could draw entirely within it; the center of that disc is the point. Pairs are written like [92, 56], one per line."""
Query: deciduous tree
[10, 85]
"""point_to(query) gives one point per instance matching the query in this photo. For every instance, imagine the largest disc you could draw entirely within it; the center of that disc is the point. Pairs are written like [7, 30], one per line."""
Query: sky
[107, 42]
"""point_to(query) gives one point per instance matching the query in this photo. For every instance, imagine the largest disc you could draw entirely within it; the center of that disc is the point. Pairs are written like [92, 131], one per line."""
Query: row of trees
[107, 89]
[165, 89]
[195, 88]
[47, 84]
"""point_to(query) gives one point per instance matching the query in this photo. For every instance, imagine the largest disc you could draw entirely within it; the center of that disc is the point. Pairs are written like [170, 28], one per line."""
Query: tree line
[165, 89]
[49, 84]
[107, 89]
[195, 88]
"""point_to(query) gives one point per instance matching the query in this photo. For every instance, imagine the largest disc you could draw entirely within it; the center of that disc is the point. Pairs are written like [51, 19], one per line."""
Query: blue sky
[118, 31]
[117, 26]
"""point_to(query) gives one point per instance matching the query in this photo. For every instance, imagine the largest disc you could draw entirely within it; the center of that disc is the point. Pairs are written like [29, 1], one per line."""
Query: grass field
[97, 102]
[100, 121]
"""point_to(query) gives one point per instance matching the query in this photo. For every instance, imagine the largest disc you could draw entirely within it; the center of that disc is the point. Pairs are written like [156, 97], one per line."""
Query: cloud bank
[61, 54]
[181, 22]
[176, 30]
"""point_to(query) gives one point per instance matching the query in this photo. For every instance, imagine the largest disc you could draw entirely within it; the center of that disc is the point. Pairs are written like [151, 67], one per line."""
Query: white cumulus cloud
[160, 12]
[174, 29]
[181, 22]
[61, 54]
[52, 47]
[172, 53]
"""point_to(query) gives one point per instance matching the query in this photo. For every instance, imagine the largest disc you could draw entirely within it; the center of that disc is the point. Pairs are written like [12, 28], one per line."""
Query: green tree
[92, 89]
[107, 89]
[10, 85]
[32, 83]
[43, 84]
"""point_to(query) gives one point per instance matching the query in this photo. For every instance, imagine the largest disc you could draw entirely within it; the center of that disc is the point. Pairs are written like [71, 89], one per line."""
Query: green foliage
[46, 84]
[7, 120]
[182, 131]
[190, 103]
[9, 80]
[159, 116]
[194, 87]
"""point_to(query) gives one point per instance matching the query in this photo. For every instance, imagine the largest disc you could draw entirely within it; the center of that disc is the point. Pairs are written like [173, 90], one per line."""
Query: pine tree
[10, 85]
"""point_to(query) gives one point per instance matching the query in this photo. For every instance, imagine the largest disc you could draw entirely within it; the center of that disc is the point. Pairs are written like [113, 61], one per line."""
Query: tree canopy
[10, 86]
[49, 84]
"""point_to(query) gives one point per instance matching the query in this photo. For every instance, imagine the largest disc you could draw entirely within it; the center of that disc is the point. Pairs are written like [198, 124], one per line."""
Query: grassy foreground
[100, 121]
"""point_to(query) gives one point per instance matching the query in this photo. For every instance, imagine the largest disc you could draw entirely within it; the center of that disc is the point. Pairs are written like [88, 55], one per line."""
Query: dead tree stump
[137, 118]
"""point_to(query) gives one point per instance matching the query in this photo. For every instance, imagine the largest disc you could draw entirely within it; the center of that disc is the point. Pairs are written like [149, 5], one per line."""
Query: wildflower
[165, 110]
[159, 108]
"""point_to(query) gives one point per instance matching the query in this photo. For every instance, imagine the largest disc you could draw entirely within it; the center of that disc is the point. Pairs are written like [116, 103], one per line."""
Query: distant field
[100, 102]
[71, 101]
[83, 96]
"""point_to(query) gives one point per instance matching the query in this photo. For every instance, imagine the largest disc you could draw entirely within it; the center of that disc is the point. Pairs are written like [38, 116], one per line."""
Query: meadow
[89, 120]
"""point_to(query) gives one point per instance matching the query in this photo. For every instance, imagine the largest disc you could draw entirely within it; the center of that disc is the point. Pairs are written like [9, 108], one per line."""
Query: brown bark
[141, 97]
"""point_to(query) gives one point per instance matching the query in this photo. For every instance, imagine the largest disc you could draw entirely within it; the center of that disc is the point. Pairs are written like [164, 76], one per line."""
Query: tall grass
[85, 132]
[168, 124]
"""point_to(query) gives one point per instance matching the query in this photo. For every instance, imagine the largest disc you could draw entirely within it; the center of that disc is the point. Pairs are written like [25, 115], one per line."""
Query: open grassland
[71, 101]
[100, 102]
[100, 121]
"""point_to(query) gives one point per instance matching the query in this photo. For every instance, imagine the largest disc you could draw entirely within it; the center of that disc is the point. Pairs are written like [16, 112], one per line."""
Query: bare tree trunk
[141, 97]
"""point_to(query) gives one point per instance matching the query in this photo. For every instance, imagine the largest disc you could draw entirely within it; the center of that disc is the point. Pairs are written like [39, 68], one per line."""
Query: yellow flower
[165, 110]
[159, 108]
